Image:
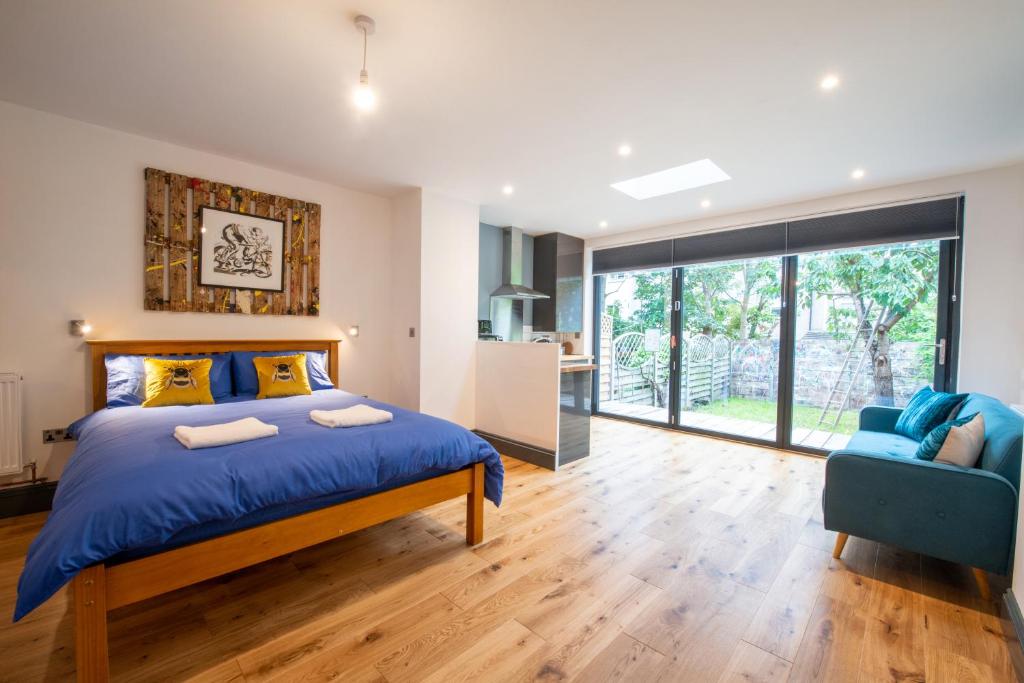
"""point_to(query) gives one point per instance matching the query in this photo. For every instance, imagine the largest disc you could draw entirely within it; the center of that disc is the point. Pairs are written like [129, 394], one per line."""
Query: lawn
[764, 411]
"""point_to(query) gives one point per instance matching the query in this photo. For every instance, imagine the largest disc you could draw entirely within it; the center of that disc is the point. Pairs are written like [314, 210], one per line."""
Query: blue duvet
[130, 486]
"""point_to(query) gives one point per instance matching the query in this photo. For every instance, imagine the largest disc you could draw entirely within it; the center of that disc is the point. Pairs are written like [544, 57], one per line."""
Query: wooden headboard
[100, 348]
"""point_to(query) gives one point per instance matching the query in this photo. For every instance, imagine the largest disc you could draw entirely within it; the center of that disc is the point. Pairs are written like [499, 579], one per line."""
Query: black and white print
[240, 250]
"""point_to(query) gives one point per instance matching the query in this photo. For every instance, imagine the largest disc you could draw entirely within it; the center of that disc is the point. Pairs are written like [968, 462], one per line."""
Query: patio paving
[728, 425]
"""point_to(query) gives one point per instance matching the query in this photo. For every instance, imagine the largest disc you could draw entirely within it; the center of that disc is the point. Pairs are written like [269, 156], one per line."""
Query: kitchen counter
[532, 403]
[578, 367]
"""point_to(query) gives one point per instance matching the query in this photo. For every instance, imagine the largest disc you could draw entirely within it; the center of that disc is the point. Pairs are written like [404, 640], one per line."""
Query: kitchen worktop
[578, 367]
[532, 402]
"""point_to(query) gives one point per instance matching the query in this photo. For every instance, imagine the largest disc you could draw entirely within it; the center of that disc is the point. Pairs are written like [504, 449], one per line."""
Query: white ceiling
[474, 94]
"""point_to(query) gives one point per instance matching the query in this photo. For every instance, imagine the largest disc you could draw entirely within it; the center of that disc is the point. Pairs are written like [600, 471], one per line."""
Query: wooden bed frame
[103, 587]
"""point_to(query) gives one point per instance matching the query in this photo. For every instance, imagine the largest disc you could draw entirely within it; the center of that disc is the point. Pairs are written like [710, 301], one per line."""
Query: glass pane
[865, 334]
[729, 371]
[635, 333]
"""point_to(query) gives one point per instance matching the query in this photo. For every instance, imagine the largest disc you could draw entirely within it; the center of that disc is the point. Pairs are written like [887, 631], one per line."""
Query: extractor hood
[512, 269]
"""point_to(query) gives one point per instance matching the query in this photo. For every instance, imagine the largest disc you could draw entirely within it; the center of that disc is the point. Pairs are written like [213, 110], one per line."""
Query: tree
[877, 288]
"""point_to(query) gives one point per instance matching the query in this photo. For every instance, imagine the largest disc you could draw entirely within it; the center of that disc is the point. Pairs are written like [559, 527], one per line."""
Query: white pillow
[963, 444]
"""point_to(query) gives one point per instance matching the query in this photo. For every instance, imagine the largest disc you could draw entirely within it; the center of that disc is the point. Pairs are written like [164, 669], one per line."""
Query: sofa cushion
[926, 411]
[1004, 433]
[956, 441]
[882, 442]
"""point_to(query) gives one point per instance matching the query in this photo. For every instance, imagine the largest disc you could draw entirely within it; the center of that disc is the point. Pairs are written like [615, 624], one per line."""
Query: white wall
[449, 274]
[435, 273]
[71, 221]
[405, 299]
[992, 318]
[518, 389]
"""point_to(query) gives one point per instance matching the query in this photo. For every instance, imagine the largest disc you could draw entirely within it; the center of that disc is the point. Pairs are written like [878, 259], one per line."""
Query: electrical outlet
[56, 436]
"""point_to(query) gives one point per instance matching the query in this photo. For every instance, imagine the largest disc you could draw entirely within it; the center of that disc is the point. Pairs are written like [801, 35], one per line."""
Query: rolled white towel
[246, 429]
[356, 416]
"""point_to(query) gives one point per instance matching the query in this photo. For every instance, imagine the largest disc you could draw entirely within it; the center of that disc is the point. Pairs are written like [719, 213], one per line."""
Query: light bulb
[364, 98]
[829, 82]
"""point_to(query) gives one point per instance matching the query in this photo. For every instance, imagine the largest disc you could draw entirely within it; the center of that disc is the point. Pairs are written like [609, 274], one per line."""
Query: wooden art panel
[173, 212]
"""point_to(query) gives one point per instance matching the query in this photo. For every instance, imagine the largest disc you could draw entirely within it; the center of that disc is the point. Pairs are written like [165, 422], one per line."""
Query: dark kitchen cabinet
[558, 272]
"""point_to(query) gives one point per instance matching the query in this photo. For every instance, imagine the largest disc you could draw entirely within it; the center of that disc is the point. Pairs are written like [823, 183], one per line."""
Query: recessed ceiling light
[685, 177]
[857, 173]
[508, 189]
[603, 224]
[705, 203]
[830, 82]
[625, 150]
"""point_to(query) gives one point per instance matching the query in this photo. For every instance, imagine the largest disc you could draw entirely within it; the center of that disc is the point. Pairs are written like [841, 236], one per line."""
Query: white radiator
[10, 423]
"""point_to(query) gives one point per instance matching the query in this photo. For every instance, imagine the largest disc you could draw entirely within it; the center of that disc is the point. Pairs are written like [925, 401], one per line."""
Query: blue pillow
[244, 371]
[926, 411]
[126, 377]
[932, 444]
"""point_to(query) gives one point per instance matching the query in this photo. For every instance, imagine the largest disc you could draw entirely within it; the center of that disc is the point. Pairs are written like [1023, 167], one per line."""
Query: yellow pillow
[281, 375]
[177, 382]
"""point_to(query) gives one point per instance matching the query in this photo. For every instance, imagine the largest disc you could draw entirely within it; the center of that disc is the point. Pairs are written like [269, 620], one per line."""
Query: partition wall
[778, 334]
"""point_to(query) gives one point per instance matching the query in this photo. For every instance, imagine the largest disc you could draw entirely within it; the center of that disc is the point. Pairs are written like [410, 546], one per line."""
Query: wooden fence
[630, 373]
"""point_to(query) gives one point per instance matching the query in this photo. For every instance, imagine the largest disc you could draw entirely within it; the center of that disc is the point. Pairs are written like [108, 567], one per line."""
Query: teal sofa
[875, 488]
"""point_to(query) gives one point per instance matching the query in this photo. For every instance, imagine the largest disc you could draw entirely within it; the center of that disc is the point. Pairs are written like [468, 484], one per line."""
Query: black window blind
[926, 220]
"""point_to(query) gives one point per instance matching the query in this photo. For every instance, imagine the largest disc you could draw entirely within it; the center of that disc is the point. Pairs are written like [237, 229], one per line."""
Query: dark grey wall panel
[558, 272]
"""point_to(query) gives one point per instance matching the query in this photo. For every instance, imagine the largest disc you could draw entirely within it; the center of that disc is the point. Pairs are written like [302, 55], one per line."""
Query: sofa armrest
[879, 418]
[959, 514]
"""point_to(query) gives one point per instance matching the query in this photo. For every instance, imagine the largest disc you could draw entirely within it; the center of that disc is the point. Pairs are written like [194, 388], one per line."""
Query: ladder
[846, 380]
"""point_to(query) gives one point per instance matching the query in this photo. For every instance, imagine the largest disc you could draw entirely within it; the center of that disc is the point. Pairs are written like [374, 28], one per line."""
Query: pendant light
[364, 97]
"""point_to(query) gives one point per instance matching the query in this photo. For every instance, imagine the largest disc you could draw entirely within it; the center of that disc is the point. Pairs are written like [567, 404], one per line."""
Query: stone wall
[818, 362]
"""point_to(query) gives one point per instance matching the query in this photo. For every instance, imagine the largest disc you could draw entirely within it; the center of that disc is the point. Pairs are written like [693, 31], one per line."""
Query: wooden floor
[663, 556]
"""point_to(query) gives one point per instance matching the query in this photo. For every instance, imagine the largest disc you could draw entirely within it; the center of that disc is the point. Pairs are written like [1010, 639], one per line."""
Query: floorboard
[662, 557]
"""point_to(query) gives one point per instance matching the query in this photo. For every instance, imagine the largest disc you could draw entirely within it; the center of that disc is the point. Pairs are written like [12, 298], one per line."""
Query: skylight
[685, 177]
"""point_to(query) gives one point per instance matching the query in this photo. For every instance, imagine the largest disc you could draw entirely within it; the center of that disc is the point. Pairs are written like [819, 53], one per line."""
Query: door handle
[941, 346]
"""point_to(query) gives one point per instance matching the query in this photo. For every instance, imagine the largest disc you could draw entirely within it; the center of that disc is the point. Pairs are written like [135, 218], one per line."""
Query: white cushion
[963, 444]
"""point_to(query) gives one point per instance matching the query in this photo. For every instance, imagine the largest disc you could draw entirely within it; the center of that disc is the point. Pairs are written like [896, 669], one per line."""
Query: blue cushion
[244, 371]
[926, 411]
[882, 442]
[932, 443]
[126, 377]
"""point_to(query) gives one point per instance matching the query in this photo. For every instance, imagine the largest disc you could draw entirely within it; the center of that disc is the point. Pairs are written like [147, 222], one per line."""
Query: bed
[137, 515]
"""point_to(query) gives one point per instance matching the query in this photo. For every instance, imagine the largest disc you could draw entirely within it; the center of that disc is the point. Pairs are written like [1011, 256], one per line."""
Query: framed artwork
[240, 250]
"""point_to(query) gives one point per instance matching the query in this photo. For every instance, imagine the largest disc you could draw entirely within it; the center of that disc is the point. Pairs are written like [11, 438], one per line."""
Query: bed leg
[90, 604]
[475, 507]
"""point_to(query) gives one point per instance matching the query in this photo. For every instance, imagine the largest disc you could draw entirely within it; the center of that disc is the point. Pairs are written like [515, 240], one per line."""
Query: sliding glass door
[867, 332]
[634, 344]
[778, 349]
[729, 347]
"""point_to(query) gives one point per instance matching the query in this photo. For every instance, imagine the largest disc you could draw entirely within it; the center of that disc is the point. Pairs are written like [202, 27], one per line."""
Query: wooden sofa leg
[982, 578]
[475, 507]
[90, 604]
[840, 544]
